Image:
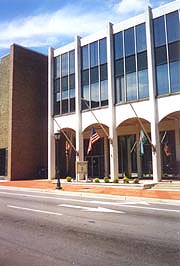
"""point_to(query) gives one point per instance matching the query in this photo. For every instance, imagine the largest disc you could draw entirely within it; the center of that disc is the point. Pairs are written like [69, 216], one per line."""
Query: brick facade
[24, 83]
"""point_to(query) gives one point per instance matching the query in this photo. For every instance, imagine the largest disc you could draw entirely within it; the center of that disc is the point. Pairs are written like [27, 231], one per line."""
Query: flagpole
[67, 138]
[141, 124]
[104, 130]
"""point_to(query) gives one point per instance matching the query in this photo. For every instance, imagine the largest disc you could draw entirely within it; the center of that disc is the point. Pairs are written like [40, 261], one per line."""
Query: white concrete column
[79, 136]
[112, 125]
[106, 160]
[156, 156]
[51, 142]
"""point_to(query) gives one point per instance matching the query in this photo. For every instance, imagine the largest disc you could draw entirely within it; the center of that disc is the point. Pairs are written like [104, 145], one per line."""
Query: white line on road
[33, 210]
[149, 208]
[98, 209]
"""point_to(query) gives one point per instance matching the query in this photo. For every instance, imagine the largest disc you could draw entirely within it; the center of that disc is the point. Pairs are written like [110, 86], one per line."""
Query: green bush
[96, 180]
[68, 178]
[136, 181]
[125, 180]
[106, 179]
[116, 180]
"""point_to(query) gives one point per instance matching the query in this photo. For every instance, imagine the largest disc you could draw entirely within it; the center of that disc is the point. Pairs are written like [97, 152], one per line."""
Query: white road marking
[149, 208]
[33, 210]
[98, 209]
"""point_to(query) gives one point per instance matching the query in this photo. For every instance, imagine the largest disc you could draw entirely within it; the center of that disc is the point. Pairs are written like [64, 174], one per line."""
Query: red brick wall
[29, 113]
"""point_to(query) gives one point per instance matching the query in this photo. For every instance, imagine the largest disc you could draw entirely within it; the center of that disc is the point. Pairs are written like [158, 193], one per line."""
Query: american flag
[93, 138]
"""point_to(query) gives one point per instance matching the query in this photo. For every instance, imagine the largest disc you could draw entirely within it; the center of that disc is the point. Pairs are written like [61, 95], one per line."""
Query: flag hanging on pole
[142, 141]
[93, 138]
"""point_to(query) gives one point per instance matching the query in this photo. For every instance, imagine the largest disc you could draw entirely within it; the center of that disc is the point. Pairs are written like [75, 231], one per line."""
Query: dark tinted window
[118, 45]
[142, 60]
[103, 72]
[141, 37]
[119, 67]
[130, 64]
[129, 41]
[173, 27]
[160, 55]
[159, 31]
[94, 75]
[174, 51]
[71, 62]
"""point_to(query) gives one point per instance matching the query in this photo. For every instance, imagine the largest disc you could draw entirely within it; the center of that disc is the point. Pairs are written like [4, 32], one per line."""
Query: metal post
[57, 137]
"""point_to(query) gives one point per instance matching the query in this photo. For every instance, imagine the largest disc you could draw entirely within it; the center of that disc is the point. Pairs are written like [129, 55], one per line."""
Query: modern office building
[123, 82]
[23, 114]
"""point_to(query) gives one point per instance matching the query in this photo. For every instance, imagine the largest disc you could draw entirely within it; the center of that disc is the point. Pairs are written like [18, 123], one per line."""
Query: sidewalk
[100, 188]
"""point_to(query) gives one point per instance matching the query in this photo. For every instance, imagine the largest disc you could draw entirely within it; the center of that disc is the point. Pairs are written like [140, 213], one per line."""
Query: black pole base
[58, 186]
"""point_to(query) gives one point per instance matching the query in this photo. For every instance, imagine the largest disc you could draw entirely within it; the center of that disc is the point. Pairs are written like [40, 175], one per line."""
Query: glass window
[120, 91]
[129, 41]
[142, 60]
[175, 76]
[72, 104]
[94, 75]
[173, 27]
[118, 45]
[130, 64]
[119, 67]
[72, 82]
[85, 57]
[57, 67]
[131, 86]
[64, 87]
[65, 106]
[94, 54]
[160, 55]
[64, 64]
[103, 72]
[57, 85]
[174, 51]
[159, 31]
[104, 92]
[103, 51]
[71, 62]
[141, 37]
[85, 77]
[95, 95]
[143, 84]
[162, 79]
[85, 96]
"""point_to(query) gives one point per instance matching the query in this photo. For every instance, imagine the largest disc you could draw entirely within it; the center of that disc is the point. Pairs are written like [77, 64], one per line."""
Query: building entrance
[95, 166]
[2, 162]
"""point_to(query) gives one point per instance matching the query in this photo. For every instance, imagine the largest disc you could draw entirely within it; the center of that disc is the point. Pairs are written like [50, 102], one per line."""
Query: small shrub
[96, 180]
[136, 181]
[68, 178]
[116, 180]
[125, 180]
[106, 179]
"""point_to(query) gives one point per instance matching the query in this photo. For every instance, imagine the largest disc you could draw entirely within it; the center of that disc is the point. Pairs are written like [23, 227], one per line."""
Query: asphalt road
[47, 229]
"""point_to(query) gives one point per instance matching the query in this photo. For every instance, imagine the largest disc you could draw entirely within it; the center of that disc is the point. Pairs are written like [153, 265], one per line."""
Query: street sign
[82, 167]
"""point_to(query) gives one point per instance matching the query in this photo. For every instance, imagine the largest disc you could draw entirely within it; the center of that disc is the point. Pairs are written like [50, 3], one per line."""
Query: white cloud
[131, 7]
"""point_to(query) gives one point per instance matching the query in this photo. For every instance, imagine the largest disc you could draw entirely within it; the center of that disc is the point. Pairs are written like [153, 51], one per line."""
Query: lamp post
[57, 138]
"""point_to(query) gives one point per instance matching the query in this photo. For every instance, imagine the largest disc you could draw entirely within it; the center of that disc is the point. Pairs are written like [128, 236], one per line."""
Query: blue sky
[38, 24]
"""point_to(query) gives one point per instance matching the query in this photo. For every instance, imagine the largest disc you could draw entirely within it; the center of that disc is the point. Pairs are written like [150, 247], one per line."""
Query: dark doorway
[3, 160]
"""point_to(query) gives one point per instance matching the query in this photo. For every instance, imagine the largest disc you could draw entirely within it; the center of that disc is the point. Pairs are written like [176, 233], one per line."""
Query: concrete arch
[101, 129]
[132, 124]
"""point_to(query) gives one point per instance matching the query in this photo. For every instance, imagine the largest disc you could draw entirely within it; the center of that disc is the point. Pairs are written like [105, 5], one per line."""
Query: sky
[38, 24]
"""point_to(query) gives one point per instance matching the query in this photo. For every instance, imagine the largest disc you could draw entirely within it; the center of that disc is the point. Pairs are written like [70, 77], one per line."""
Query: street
[39, 228]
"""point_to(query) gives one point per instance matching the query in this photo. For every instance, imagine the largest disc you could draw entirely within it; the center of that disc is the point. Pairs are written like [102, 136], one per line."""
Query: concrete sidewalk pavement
[100, 188]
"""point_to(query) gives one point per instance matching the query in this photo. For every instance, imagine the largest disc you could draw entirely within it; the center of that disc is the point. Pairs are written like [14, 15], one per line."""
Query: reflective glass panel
[142, 60]
[174, 51]
[71, 62]
[64, 64]
[143, 84]
[120, 91]
[162, 79]
[64, 106]
[103, 72]
[57, 85]
[118, 45]
[160, 55]
[85, 57]
[119, 67]
[175, 76]
[173, 27]
[159, 31]
[104, 92]
[94, 75]
[95, 94]
[131, 86]
[130, 64]
[85, 97]
[64, 87]
[94, 54]
[129, 41]
[103, 51]
[85, 77]
[57, 67]
[141, 37]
